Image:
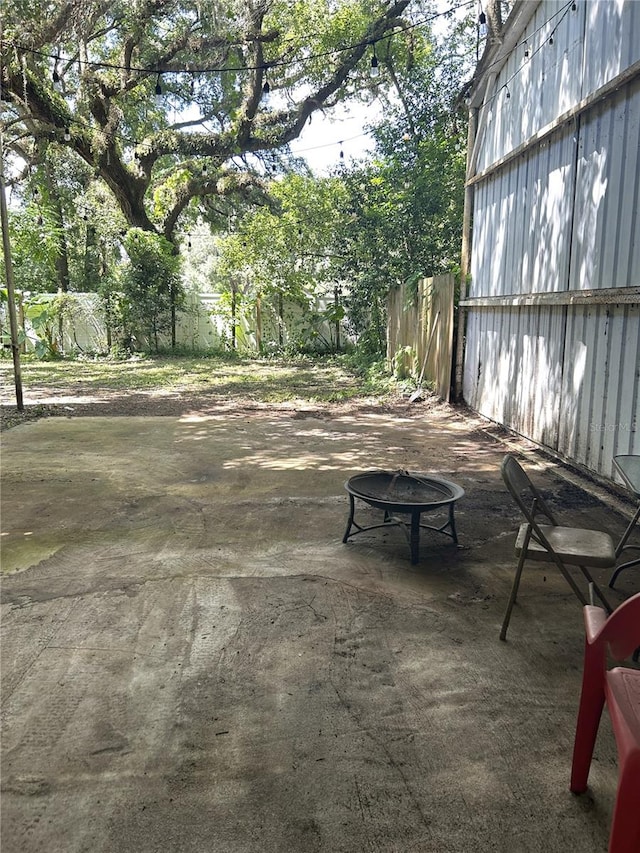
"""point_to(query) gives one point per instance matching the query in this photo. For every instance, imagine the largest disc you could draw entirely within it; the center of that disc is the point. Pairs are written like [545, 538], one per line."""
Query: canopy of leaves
[176, 101]
[380, 223]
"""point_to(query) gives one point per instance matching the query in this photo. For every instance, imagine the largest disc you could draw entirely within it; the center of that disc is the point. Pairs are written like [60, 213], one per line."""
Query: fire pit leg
[452, 524]
[352, 509]
[414, 542]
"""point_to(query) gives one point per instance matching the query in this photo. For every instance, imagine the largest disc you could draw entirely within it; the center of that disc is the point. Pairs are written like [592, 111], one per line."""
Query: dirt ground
[192, 659]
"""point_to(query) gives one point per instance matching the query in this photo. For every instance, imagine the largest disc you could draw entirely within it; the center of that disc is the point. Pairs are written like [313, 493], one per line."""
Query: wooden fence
[420, 332]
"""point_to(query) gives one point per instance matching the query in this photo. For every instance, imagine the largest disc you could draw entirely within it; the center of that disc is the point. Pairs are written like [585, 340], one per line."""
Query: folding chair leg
[514, 592]
[569, 579]
[585, 571]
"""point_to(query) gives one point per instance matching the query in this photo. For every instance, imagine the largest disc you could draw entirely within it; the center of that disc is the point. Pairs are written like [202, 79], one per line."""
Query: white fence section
[204, 325]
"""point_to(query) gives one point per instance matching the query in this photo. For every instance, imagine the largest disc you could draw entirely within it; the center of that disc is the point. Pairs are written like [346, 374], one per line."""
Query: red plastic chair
[620, 689]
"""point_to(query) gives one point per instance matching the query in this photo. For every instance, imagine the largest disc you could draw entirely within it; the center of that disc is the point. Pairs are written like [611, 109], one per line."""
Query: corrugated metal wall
[553, 308]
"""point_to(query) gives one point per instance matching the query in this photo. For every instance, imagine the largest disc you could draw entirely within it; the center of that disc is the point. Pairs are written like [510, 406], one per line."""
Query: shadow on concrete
[193, 661]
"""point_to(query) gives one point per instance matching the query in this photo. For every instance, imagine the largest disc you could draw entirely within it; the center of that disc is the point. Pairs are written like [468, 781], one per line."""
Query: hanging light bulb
[188, 241]
[341, 151]
[375, 70]
[204, 168]
[266, 88]
[551, 39]
[158, 89]
[482, 24]
[67, 134]
[526, 50]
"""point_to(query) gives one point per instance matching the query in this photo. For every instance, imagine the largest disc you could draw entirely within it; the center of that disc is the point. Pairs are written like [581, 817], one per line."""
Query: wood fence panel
[414, 321]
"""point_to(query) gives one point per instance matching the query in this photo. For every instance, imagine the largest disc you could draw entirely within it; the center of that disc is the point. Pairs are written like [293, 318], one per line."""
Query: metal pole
[6, 247]
[465, 261]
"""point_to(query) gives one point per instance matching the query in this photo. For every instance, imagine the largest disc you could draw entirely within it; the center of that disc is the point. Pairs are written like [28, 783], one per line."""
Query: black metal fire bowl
[403, 493]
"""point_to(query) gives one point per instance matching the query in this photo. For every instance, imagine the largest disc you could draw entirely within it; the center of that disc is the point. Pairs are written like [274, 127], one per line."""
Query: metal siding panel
[605, 246]
[590, 189]
[567, 428]
[611, 41]
[626, 421]
[595, 387]
[512, 263]
[521, 241]
[609, 429]
[482, 224]
[628, 261]
[470, 366]
[511, 366]
[583, 396]
[601, 401]
[540, 87]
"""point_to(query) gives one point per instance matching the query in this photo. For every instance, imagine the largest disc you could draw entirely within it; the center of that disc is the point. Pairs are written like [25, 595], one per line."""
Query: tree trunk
[62, 258]
[259, 322]
[234, 297]
[280, 319]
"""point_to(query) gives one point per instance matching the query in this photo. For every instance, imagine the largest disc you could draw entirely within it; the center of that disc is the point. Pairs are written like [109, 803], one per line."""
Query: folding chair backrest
[523, 491]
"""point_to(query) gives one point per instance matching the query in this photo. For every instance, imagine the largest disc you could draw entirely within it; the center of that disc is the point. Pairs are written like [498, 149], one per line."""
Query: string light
[341, 151]
[266, 88]
[482, 24]
[375, 71]
[481, 19]
[563, 12]
[67, 134]
[277, 63]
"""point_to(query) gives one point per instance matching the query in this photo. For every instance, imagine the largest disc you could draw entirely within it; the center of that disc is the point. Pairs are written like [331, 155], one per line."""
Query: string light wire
[277, 63]
[528, 53]
[563, 11]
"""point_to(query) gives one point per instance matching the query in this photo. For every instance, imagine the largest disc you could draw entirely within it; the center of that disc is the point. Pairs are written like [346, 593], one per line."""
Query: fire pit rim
[450, 491]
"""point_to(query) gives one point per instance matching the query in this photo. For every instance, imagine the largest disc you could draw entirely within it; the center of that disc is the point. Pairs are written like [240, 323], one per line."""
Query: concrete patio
[193, 661]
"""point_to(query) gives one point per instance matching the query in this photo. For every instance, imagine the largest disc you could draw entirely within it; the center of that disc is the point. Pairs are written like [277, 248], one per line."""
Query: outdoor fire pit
[403, 493]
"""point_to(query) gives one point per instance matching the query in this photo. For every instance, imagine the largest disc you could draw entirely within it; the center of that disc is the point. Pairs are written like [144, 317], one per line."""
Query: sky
[321, 141]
